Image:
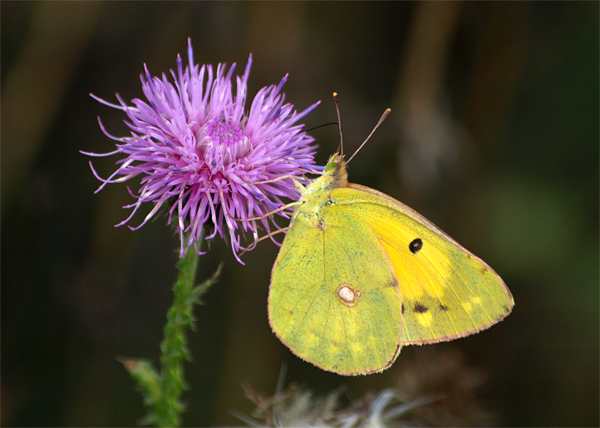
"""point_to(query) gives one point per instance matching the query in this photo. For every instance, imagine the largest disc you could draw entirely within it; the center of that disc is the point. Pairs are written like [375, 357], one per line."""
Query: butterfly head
[336, 171]
[334, 176]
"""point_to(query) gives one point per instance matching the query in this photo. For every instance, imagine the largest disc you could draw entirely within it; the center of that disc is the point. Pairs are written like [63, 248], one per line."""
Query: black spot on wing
[416, 245]
[420, 308]
[443, 307]
[403, 308]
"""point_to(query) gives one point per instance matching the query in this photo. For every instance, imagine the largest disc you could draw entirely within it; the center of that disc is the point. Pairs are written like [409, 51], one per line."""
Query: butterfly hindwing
[333, 304]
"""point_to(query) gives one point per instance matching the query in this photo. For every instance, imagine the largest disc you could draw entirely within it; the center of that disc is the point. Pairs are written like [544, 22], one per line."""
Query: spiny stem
[174, 350]
[162, 391]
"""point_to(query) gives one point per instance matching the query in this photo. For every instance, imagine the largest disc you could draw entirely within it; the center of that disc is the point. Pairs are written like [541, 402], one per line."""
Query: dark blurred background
[493, 136]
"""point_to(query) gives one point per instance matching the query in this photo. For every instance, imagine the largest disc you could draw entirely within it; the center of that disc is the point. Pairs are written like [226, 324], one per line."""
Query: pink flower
[201, 155]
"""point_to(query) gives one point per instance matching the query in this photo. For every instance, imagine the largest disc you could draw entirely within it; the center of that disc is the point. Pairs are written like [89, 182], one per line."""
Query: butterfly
[360, 275]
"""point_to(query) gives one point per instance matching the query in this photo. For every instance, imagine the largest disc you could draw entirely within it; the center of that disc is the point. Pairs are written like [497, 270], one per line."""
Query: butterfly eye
[415, 245]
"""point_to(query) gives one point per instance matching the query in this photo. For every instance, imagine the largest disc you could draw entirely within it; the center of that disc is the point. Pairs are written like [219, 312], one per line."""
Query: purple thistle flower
[196, 147]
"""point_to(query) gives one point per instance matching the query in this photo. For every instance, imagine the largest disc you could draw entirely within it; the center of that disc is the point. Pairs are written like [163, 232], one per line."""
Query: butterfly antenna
[321, 126]
[383, 116]
[337, 109]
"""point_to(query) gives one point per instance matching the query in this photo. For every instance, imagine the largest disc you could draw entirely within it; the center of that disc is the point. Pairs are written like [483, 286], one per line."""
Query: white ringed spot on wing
[347, 295]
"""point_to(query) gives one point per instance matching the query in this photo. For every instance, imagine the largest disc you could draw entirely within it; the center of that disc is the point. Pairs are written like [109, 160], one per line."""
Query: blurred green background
[493, 136]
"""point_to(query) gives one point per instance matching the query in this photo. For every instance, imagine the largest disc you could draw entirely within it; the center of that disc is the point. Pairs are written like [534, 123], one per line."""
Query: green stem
[174, 350]
[162, 391]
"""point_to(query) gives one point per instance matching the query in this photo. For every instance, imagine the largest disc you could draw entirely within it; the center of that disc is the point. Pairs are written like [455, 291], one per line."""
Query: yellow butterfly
[359, 275]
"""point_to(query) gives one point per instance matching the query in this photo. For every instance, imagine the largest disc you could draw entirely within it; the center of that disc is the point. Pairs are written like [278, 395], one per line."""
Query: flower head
[206, 159]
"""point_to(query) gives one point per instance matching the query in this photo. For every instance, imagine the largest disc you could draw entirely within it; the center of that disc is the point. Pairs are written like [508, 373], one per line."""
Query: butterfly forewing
[446, 291]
